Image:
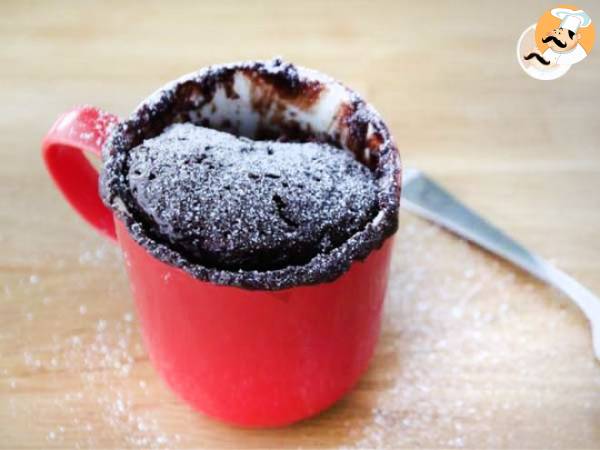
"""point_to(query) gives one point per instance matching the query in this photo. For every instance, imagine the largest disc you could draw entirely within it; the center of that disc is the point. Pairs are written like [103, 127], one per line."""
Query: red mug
[250, 357]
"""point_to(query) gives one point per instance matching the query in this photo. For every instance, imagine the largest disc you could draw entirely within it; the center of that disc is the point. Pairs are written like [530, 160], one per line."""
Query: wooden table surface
[473, 353]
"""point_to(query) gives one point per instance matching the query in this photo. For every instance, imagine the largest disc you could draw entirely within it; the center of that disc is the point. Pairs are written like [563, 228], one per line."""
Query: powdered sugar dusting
[278, 92]
[466, 366]
[98, 357]
[473, 355]
[235, 203]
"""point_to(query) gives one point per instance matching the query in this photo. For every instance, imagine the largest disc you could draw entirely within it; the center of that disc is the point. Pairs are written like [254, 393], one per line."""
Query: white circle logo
[533, 66]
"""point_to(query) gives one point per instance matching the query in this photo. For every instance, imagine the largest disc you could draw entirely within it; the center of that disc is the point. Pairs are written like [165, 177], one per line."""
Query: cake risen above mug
[235, 203]
[256, 175]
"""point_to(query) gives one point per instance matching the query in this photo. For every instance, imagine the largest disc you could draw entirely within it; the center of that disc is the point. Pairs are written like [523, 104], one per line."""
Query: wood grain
[473, 353]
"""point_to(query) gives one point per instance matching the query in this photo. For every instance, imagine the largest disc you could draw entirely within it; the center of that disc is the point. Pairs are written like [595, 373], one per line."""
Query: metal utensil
[427, 199]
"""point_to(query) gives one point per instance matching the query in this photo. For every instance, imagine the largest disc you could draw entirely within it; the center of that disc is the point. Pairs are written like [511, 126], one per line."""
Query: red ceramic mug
[251, 357]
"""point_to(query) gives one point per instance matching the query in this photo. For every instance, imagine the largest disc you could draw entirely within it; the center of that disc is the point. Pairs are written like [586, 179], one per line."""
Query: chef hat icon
[572, 20]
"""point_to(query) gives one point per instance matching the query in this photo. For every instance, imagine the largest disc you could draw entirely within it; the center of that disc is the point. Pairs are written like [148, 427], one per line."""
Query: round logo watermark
[562, 37]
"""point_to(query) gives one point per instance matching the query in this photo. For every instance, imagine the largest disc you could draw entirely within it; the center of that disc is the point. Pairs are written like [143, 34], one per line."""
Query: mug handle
[82, 129]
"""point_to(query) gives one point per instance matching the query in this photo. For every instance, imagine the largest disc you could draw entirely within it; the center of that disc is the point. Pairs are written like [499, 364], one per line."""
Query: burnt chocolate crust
[359, 128]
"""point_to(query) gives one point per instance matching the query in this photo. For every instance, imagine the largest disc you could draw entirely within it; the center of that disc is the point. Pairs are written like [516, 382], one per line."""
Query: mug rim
[354, 125]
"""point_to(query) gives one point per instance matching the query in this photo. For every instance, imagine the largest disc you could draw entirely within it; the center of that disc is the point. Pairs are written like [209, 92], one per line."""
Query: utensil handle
[580, 295]
[80, 130]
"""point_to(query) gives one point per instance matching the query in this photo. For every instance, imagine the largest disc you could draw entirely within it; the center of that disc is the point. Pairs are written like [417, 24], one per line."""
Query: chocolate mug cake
[253, 204]
[227, 175]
